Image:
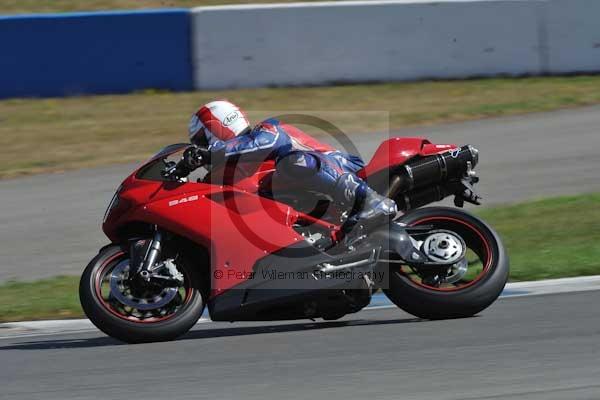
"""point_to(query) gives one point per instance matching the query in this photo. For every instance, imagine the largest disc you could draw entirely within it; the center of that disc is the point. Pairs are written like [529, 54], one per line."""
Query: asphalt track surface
[528, 348]
[51, 223]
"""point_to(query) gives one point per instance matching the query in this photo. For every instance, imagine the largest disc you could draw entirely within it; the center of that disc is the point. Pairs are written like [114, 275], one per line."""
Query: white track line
[517, 289]
[52, 327]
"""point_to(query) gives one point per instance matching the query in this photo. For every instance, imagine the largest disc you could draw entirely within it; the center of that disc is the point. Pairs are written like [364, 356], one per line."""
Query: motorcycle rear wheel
[133, 326]
[412, 291]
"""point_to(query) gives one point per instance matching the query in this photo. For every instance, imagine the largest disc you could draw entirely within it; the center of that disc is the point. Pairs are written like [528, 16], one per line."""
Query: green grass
[45, 299]
[551, 238]
[41, 135]
[45, 6]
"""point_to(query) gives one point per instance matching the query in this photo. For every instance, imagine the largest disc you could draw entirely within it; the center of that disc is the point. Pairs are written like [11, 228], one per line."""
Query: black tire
[428, 303]
[130, 331]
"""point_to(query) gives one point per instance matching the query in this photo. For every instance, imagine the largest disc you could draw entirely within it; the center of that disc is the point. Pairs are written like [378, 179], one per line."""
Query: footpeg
[370, 260]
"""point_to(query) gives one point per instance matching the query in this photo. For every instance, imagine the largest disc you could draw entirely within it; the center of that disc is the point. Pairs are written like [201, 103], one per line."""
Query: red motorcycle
[253, 248]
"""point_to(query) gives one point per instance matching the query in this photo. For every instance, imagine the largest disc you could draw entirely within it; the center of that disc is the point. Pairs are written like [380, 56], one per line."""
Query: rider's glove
[195, 157]
[175, 170]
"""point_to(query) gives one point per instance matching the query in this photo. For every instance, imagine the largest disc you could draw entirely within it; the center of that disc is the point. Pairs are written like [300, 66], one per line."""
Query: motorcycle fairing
[239, 228]
[397, 151]
[244, 175]
[265, 298]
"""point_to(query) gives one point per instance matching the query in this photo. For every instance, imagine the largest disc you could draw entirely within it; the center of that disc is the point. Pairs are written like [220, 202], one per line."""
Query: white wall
[573, 28]
[321, 43]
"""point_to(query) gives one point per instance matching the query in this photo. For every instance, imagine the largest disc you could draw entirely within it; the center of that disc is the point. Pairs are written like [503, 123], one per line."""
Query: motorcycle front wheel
[461, 290]
[137, 314]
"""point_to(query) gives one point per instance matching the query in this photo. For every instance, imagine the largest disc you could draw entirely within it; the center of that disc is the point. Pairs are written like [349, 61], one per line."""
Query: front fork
[153, 253]
[149, 268]
[142, 265]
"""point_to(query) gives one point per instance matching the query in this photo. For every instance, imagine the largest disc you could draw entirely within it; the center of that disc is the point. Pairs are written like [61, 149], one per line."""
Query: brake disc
[457, 271]
[120, 290]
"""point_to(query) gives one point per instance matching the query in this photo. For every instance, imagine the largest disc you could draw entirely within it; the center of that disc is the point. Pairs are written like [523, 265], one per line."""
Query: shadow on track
[63, 344]
[205, 334]
[256, 330]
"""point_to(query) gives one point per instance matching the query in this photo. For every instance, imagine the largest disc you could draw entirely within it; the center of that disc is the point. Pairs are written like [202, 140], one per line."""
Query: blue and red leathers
[317, 166]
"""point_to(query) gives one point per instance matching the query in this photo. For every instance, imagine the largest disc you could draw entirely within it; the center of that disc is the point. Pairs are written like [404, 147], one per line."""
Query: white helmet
[217, 120]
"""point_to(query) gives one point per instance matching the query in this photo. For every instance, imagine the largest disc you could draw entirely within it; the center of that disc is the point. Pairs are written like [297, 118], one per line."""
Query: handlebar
[175, 170]
[192, 159]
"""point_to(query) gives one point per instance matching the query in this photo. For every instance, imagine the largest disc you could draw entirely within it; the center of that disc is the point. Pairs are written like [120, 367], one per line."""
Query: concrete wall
[106, 52]
[295, 44]
[573, 35]
[321, 43]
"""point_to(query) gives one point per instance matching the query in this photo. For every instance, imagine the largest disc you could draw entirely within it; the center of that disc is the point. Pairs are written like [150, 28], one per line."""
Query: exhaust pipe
[438, 168]
[423, 181]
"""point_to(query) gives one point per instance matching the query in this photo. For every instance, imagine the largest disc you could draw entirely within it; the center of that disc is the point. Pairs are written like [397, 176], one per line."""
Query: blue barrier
[100, 52]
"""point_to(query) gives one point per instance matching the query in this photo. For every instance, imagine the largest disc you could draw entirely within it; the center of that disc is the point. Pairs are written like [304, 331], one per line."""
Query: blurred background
[88, 89]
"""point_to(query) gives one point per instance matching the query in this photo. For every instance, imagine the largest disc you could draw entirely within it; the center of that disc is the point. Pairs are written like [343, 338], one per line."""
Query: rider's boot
[368, 206]
[376, 205]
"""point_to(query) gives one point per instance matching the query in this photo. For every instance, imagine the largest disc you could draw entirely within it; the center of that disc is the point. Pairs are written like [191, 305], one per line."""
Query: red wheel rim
[486, 247]
[98, 289]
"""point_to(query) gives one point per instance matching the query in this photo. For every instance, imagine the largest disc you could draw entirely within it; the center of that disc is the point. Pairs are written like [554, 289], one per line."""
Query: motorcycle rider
[220, 130]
